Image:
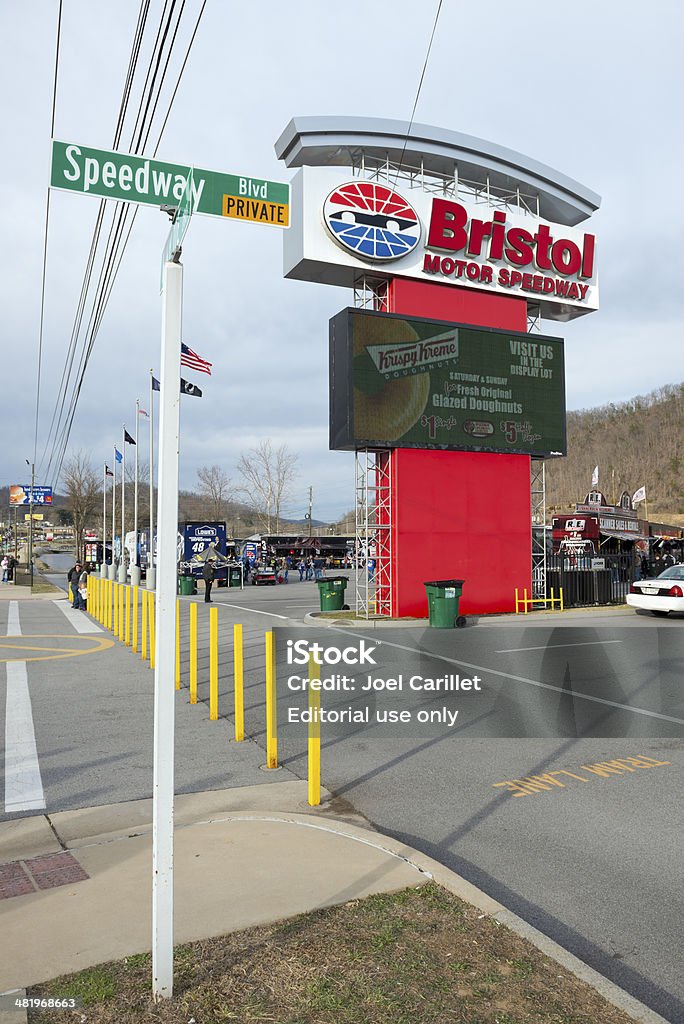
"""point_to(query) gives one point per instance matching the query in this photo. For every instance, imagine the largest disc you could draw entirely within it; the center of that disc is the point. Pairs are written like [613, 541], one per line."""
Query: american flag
[193, 361]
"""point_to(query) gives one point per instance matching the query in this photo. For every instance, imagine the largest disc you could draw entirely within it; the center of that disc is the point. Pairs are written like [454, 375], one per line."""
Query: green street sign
[137, 179]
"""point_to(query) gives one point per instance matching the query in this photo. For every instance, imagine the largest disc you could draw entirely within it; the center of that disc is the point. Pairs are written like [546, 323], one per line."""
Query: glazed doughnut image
[385, 410]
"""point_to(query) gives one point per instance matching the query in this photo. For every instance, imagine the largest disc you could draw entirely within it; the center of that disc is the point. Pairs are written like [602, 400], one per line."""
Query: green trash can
[235, 576]
[443, 598]
[331, 592]
[186, 586]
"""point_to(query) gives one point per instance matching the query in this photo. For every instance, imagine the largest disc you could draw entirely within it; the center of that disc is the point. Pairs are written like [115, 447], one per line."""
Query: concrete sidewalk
[75, 887]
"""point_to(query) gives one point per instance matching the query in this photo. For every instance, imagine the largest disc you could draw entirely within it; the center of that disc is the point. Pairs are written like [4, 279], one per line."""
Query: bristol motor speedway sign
[344, 226]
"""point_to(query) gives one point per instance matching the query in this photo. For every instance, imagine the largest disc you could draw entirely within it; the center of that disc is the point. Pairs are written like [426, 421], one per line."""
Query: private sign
[137, 179]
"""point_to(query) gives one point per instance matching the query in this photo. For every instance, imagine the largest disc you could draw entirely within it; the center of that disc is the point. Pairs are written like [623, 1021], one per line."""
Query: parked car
[662, 595]
[264, 574]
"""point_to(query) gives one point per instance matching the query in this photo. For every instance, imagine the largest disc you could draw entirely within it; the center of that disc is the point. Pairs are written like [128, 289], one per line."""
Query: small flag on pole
[108, 471]
[594, 477]
[639, 495]
[127, 438]
[156, 386]
[119, 456]
[193, 361]
[143, 413]
[187, 388]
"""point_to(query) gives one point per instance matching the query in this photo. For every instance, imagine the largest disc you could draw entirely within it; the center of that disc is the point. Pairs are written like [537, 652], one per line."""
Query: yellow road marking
[549, 781]
[96, 644]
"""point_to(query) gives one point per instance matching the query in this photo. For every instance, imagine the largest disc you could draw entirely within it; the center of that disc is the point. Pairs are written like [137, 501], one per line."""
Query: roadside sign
[36, 515]
[20, 494]
[137, 179]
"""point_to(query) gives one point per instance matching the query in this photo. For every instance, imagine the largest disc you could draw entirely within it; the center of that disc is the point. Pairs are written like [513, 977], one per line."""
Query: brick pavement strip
[56, 869]
[14, 881]
[19, 878]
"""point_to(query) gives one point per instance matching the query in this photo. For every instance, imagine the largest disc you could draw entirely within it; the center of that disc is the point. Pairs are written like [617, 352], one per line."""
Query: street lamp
[33, 477]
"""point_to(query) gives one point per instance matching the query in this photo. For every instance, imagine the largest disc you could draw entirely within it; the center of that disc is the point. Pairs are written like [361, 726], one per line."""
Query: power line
[76, 328]
[115, 249]
[420, 86]
[45, 240]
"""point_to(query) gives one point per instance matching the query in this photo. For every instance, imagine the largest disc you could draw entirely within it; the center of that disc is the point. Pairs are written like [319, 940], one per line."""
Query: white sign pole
[151, 565]
[165, 648]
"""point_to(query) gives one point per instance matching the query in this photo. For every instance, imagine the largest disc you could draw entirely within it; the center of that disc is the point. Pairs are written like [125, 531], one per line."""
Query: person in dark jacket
[208, 573]
[73, 578]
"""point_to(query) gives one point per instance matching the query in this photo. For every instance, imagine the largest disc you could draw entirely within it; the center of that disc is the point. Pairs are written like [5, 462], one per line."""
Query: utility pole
[33, 480]
[310, 507]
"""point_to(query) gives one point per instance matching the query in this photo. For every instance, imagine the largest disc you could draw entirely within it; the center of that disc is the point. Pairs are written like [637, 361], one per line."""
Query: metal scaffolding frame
[376, 168]
[538, 495]
[373, 533]
[372, 293]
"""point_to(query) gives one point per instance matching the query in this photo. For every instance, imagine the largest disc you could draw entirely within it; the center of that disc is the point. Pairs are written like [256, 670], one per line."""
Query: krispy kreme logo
[400, 360]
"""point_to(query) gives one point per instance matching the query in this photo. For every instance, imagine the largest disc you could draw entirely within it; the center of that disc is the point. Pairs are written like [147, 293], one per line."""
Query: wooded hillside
[634, 444]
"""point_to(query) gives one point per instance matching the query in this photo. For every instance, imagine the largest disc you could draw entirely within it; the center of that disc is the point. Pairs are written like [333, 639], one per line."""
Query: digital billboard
[20, 494]
[400, 382]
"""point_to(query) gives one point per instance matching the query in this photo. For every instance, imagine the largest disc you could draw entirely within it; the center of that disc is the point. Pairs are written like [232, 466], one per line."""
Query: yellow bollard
[122, 590]
[128, 616]
[145, 608]
[115, 588]
[271, 720]
[134, 638]
[314, 751]
[152, 632]
[213, 664]
[193, 653]
[239, 683]
[178, 646]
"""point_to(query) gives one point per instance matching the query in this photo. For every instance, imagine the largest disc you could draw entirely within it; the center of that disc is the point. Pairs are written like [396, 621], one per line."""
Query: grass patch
[420, 955]
[43, 587]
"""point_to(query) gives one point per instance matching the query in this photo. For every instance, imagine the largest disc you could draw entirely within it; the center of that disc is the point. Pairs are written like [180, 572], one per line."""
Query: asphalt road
[589, 852]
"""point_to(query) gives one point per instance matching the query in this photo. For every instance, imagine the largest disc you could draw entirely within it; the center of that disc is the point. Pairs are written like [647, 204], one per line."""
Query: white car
[662, 595]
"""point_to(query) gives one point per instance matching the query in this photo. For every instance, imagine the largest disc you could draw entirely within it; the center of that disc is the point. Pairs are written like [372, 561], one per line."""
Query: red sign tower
[450, 227]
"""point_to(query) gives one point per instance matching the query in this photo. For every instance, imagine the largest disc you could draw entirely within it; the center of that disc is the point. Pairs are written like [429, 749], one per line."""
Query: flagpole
[112, 567]
[103, 563]
[122, 563]
[135, 564]
[151, 571]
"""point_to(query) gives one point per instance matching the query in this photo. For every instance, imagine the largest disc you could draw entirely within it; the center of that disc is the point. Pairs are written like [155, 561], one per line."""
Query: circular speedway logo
[371, 221]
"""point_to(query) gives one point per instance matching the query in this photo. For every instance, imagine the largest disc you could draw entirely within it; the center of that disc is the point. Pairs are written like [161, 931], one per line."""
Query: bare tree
[214, 488]
[83, 492]
[268, 474]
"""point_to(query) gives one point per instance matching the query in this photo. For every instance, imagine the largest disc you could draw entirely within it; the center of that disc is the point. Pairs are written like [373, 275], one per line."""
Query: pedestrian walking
[4, 566]
[302, 569]
[208, 573]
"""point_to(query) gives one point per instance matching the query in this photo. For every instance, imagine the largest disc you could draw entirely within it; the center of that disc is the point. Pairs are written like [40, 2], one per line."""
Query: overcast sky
[593, 90]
